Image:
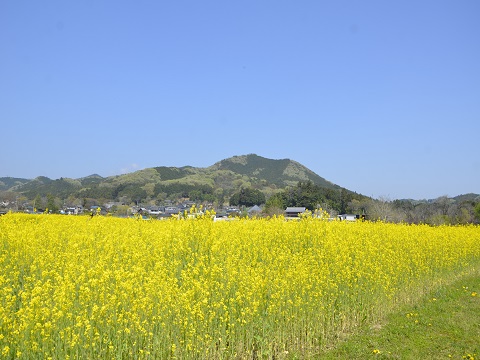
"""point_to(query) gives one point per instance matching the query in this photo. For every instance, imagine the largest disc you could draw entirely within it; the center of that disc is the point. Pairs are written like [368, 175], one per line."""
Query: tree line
[442, 210]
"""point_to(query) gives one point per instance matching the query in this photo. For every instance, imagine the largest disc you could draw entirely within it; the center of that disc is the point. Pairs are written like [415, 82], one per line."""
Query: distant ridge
[219, 180]
[222, 178]
[8, 183]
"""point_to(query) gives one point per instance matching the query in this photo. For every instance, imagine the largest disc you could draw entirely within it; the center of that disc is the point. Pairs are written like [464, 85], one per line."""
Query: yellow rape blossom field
[110, 288]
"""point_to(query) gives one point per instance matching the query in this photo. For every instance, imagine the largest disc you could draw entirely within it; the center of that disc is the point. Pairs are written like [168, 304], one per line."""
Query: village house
[294, 212]
[349, 217]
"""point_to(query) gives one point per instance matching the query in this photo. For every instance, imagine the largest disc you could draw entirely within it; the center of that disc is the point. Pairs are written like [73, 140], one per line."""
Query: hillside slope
[221, 179]
[284, 172]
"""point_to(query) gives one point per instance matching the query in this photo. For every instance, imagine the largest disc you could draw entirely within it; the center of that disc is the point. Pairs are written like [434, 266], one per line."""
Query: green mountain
[467, 197]
[218, 181]
[281, 173]
[9, 183]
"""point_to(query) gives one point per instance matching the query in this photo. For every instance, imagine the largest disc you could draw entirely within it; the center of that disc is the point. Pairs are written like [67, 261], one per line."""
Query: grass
[443, 325]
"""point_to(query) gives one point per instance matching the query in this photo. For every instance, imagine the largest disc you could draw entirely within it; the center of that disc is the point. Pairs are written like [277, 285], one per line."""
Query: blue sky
[380, 97]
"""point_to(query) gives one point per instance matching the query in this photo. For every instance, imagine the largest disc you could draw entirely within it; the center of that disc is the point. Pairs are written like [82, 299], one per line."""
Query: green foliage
[309, 195]
[6, 183]
[38, 202]
[304, 194]
[183, 190]
[120, 210]
[132, 191]
[275, 204]
[51, 206]
[201, 195]
[96, 192]
[477, 212]
[247, 197]
[62, 187]
[256, 166]
[171, 173]
[91, 180]
[278, 172]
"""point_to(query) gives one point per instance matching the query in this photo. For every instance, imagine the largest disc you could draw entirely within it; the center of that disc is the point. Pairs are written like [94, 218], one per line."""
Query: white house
[348, 217]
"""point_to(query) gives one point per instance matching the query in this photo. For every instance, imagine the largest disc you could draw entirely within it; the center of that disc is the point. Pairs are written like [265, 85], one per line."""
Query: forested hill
[9, 183]
[215, 182]
[284, 172]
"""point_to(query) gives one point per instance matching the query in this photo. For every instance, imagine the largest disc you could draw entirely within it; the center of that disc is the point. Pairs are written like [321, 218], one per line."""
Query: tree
[247, 197]
[8, 196]
[476, 211]
[382, 209]
[37, 203]
[464, 214]
[120, 210]
[51, 206]
[442, 204]
[195, 195]
[274, 205]
[405, 210]
[72, 200]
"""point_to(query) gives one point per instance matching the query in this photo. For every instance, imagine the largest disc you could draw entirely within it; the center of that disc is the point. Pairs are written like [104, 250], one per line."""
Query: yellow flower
[5, 350]
[182, 285]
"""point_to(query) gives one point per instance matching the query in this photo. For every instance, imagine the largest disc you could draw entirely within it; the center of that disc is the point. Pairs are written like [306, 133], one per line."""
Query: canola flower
[110, 288]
